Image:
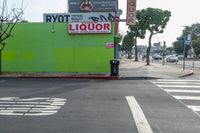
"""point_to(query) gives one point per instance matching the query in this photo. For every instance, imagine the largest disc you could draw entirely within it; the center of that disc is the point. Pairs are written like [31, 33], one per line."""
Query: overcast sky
[183, 13]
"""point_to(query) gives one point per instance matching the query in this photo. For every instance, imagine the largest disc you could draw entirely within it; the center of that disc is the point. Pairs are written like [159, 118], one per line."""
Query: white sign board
[91, 17]
[78, 17]
[131, 12]
[89, 27]
[189, 37]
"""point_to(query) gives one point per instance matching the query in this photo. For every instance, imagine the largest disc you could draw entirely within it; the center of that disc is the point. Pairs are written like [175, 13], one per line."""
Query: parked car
[172, 58]
[157, 57]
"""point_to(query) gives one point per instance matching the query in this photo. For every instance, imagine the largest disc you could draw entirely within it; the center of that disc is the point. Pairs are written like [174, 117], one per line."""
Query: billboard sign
[89, 27]
[79, 17]
[77, 6]
[56, 17]
[92, 17]
[131, 12]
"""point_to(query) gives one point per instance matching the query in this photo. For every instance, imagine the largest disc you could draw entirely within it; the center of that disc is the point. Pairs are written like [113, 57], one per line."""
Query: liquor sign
[78, 17]
[131, 12]
[89, 27]
[76, 6]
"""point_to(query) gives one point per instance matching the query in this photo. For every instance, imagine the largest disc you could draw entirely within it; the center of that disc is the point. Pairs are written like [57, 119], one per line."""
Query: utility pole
[184, 52]
[163, 52]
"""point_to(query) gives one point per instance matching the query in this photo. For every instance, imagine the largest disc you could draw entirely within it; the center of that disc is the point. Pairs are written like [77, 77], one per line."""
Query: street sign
[187, 42]
[131, 12]
[189, 37]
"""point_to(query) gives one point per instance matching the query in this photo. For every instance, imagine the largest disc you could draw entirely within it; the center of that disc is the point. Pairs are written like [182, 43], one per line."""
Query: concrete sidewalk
[132, 69]
[129, 69]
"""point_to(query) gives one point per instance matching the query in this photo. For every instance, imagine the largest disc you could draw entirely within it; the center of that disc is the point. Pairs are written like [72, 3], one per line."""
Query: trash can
[114, 67]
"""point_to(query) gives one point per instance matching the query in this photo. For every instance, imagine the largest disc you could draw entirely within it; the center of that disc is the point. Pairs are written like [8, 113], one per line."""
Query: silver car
[172, 58]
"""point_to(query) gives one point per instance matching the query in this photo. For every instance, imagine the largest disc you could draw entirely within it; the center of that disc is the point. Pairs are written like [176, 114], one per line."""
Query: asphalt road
[90, 106]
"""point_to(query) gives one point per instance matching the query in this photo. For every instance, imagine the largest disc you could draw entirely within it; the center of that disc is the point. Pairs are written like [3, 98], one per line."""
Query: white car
[157, 57]
[172, 58]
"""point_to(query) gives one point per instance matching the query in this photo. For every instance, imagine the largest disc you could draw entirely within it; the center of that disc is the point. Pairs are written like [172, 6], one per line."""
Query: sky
[184, 13]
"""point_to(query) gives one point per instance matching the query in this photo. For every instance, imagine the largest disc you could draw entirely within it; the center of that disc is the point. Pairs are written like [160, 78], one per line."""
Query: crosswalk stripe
[186, 88]
[178, 80]
[181, 83]
[183, 91]
[187, 97]
[179, 86]
[194, 108]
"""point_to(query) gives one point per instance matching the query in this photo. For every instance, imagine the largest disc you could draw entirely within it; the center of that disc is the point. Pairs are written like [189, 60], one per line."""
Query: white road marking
[179, 86]
[178, 80]
[31, 106]
[176, 83]
[183, 91]
[2, 81]
[187, 97]
[195, 108]
[138, 115]
[186, 87]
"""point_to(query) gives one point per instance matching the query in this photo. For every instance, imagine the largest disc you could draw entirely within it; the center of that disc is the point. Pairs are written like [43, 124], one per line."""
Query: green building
[49, 48]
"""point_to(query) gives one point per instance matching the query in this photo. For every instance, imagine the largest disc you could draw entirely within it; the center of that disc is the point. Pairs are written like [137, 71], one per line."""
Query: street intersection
[95, 106]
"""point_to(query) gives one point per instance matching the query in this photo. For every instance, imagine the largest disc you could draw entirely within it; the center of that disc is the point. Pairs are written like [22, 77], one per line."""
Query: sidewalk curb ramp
[189, 73]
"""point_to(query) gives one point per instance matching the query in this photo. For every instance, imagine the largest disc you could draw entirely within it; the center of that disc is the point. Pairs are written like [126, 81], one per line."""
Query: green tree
[196, 46]
[170, 49]
[127, 44]
[137, 31]
[194, 30]
[154, 20]
[178, 47]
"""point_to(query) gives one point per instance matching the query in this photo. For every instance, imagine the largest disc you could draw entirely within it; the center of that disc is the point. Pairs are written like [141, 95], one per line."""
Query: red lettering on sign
[99, 27]
[106, 26]
[131, 12]
[91, 27]
[83, 27]
[131, 9]
[131, 3]
[70, 27]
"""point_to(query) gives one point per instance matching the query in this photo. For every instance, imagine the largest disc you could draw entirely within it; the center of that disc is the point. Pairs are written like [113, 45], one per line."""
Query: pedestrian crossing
[187, 91]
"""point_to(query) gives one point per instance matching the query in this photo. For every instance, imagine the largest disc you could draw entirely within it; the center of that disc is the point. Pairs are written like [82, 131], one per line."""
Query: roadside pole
[187, 41]
[163, 53]
[184, 55]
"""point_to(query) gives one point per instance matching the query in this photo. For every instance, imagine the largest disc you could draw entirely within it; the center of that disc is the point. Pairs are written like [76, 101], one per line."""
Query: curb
[106, 77]
[191, 72]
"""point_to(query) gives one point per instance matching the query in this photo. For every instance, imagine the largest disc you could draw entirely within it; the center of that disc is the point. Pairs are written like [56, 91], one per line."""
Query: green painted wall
[35, 48]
